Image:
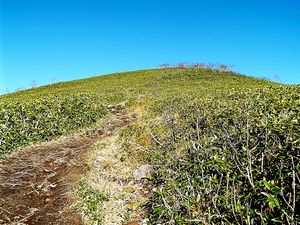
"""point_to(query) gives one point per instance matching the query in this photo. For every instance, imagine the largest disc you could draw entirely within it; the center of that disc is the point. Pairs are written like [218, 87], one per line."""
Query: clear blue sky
[44, 40]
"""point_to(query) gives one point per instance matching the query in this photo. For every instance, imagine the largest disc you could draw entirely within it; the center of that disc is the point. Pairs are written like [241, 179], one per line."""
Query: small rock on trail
[144, 171]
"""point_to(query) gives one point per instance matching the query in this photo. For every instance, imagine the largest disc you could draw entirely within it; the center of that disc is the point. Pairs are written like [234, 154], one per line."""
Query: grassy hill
[225, 146]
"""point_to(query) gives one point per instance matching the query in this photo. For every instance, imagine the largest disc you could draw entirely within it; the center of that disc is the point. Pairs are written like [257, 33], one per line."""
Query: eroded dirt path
[36, 182]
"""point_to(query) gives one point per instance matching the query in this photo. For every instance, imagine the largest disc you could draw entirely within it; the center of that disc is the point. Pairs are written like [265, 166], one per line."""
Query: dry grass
[115, 178]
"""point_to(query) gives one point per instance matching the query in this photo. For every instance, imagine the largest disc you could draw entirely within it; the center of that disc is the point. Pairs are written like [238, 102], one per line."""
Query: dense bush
[41, 119]
[230, 158]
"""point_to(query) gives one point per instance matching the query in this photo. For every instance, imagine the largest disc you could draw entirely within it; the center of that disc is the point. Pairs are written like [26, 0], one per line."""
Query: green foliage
[42, 113]
[238, 162]
[22, 123]
[91, 202]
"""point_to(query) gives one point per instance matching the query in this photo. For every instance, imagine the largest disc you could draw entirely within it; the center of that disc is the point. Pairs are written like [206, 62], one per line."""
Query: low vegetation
[232, 158]
[41, 119]
[225, 146]
[90, 202]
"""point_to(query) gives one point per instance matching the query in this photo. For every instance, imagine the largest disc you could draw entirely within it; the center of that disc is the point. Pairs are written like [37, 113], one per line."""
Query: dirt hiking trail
[36, 182]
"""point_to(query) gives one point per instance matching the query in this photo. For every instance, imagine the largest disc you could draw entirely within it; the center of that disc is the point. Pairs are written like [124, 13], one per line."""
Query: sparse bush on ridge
[182, 65]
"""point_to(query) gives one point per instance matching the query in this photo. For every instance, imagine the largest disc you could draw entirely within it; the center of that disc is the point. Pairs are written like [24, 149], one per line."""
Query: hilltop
[223, 147]
[152, 80]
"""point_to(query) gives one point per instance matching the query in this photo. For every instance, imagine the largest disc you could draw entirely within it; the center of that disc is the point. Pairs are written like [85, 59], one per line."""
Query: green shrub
[41, 119]
[230, 158]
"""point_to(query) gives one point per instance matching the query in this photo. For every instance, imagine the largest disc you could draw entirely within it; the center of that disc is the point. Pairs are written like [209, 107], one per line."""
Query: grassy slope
[156, 81]
[57, 109]
[226, 145]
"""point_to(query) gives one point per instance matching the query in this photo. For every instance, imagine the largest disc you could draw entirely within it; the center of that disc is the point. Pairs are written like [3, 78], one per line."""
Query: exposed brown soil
[36, 183]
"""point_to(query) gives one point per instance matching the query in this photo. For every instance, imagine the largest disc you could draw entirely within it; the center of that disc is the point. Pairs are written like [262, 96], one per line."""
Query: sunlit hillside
[225, 147]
